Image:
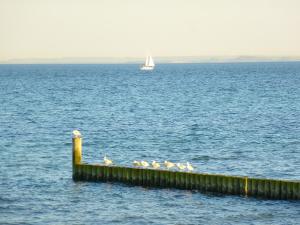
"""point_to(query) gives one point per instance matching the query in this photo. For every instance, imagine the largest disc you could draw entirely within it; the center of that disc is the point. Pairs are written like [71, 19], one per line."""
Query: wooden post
[246, 186]
[77, 151]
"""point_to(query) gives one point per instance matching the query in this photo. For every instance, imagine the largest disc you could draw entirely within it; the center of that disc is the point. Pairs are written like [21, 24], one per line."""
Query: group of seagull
[155, 165]
[167, 164]
[144, 164]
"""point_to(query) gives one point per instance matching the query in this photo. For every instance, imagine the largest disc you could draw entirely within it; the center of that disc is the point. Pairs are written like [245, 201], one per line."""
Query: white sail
[147, 61]
[149, 64]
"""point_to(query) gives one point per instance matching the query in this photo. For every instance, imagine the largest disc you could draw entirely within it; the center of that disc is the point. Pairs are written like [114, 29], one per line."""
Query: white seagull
[144, 164]
[155, 164]
[189, 167]
[76, 133]
[107, 161]
[168, 164]
[136, 163]
[180, 166]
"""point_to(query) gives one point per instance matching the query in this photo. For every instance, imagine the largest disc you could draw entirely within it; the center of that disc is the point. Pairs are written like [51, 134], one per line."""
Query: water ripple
[240, 119]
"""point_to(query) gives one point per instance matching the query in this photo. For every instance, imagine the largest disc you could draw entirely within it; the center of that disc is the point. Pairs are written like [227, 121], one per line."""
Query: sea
[223, 118]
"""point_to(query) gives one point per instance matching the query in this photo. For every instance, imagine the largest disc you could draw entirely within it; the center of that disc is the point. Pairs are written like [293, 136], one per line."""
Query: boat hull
[147, 67]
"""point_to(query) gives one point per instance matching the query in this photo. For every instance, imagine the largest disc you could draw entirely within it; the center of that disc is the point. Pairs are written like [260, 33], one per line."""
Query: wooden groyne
[235, 185]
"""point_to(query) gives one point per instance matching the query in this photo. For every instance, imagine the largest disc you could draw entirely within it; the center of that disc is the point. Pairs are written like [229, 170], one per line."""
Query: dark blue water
[239, 119]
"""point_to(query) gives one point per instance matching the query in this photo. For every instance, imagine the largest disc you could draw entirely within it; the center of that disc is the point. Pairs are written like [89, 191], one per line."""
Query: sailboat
[149, 64]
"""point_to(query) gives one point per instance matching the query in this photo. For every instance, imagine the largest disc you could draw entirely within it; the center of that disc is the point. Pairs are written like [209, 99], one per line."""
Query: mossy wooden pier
[235, 185]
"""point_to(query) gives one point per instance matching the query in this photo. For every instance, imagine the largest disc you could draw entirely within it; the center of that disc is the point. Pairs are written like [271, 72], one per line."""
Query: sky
[135, 28]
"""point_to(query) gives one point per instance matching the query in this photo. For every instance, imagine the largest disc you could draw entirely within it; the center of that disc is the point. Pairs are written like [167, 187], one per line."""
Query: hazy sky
[133, 28]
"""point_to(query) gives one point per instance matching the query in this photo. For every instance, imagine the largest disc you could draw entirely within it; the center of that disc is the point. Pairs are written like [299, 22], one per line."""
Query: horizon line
[158, 59]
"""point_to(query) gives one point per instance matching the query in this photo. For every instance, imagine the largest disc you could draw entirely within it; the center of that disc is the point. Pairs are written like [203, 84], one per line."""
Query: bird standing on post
[136, 163]
[144, 164]
[168, 164]
[181, 166]
[189, 167]
[155, 164]
[107, 161]
[76, 133]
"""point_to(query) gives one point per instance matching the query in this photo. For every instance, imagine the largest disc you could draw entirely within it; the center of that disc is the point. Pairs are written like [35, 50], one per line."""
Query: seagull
[189, 167]
[181, 166]
[169, 164]
[155, 164]
[107, 161]
[76, 133]
[144, 164]
[136, 163]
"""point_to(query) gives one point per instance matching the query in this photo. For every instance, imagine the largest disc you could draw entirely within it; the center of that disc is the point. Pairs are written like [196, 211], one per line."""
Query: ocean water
[230, 118]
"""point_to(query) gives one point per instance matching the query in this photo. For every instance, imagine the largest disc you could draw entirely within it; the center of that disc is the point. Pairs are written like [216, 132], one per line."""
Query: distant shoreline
[138, 63]
[158, 60]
